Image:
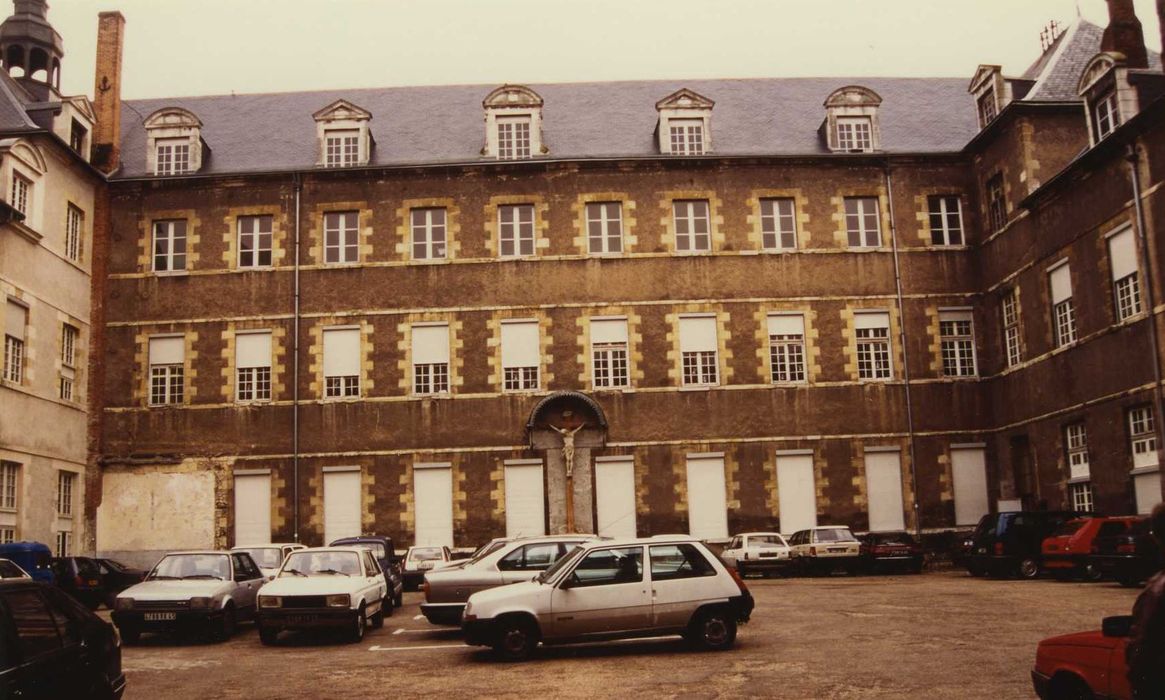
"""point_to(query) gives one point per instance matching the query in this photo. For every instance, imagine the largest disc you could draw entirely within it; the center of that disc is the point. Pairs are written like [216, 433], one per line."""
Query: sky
[201, 47]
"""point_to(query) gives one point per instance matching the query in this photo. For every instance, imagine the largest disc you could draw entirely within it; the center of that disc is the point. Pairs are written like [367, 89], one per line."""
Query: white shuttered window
[521, 355]
[341, 362]
[430, 346]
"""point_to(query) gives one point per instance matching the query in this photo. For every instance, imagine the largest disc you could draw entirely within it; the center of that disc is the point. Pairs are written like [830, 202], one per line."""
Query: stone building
[737, 304]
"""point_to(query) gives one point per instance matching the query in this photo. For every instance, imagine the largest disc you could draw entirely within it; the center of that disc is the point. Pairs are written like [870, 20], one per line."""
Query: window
[1063, 313]
[957, 343]
[167, 370]
[428, 228]
[609, 353]
[69, 336]
[987, 109]
[65, 481]
[341, 362]
[605, 227]
[513, 137]
[1107, 115]
[1076, 442]
[430, 345]
[686, 136]
[169, 245]
[678, 561]
[1126, 287]
[15, 323]
[341, 148]
[7, 535]
[74, 227]
[173, 156]
[341, 237]
[872, 330]
[36, 632]
[64, 543]
[532, 557]
[9, 475]
[1082, 496]
[787, 347]
[521, 355]
[77, 134]
[698, 351]
[854, 134]
[996, 204]
[1011, 330]
[946, 220]
[602, 567]
[861, 222]
[253, 366]
[255, 241]
[778, 223]
[692, 226]
[20, 192]
[516, 230]
[1142, 435]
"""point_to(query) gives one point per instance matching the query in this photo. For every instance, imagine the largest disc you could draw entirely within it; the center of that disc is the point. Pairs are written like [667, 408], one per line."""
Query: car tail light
[739, 581]
[998, 549]
[425, 588]
[812, 551]
[1127, 548]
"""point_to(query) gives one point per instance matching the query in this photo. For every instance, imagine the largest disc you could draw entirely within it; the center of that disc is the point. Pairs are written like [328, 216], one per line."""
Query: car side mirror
[1117, 626]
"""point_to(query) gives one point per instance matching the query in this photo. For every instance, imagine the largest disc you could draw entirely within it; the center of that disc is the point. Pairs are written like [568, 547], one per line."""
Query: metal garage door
[1148, 490]
[707, 499]
[525, 499]
[342, 504]
[884, 487]
[796, 491]
[252, 508]
[615, 496]
[433, 494]
[969, 472]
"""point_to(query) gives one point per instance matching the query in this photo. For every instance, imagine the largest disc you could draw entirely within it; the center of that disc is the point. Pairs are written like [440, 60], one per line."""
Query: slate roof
[1057, 71]
[14, 103]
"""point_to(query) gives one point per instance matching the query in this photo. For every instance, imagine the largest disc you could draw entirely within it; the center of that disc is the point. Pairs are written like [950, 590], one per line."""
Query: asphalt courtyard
[937, 635]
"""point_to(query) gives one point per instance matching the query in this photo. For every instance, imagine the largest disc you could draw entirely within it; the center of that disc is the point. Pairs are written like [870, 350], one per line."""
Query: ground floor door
[707, 497]
[525, 500]
[796, 492]
[884, 490]
[252, 508]
[433, 494]
[969, 474]
[342, 504]
[615, 496]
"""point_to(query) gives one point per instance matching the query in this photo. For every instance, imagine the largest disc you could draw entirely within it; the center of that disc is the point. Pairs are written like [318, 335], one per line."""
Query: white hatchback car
[603, 590]
[269, 557]
[761, 552]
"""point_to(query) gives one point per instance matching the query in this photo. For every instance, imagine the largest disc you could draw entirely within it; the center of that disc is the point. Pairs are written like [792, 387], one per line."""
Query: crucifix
[568, 459]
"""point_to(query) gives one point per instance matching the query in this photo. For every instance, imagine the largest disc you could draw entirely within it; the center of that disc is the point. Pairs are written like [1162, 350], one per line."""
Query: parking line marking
[399, 630]
[418, 617]
[377, 647]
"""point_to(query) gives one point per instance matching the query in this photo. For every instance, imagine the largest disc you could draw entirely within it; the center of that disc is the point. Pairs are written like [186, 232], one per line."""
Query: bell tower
[30, 49]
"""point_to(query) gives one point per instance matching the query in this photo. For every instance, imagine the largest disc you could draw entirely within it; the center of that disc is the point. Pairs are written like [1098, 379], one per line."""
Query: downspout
[1142, 238]
[298, 184]
[905, 352]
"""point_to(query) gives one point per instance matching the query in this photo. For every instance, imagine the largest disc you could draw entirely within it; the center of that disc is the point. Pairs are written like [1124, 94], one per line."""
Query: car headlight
[201, 603]
[270, 601]
[339, 601]
[123, 604]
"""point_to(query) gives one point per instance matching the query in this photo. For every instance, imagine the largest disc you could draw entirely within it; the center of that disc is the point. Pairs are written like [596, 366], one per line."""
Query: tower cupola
[29, 46]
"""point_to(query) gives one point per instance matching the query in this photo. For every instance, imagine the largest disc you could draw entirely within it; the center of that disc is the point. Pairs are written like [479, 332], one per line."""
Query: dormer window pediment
[513, 123]
[851, 120]
[989, 89]
[1109, 100]
[343, 136]
[174, 142]
[685, 124]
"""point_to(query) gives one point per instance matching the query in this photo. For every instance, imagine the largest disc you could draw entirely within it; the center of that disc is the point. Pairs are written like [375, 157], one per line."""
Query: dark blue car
[33, 557]
[385, 553]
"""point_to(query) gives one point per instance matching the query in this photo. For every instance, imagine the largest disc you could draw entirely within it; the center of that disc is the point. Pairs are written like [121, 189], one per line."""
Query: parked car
[34, 557]
[823, 550]
[1084, 664]
[9, 569]
[447, 590]
[328, 587]
[52, 647]
[1130, 557]
[116, 577]
[1067, 551]
[762, 552]
[487, 548]
[80, 577]
[420, 560]
[385, 553]
[202, 591]
[601, 590]
[1006, 544]
[885, 551]
[269, 557]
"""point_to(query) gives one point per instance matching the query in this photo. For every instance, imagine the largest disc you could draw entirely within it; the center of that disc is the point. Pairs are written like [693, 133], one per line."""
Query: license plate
[836, 549]
[301, 619]
[768, 554]
[160, 616]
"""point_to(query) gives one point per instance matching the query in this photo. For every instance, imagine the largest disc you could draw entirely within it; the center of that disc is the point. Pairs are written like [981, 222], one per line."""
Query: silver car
[446, 590]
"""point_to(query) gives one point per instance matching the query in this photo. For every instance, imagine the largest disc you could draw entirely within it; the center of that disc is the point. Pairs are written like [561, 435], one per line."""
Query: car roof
[267, 545]
[555, 538]
[754, 534]
[337, 548]
[223, 552]
[830, 527]
[629, 541]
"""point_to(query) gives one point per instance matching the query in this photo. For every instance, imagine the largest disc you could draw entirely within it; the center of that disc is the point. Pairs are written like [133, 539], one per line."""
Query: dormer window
[513, 123]
[173, 157]
[987, 107]
[344, 136]
[77, 134]
[1109, 99]
[341, 148]
[685, 121]
[991, 92]
[1106, 115]
[175, 145]
[851, 120]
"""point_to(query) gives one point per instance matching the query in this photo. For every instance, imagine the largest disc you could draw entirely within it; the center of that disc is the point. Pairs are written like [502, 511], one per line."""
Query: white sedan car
[757, 552]
[326, 587]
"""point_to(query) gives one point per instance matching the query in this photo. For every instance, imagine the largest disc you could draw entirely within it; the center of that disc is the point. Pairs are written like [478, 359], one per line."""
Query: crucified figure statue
[567, 446]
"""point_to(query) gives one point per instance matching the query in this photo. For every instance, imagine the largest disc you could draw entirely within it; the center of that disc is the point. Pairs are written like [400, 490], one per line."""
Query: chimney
[107, 90]
[1123, 33]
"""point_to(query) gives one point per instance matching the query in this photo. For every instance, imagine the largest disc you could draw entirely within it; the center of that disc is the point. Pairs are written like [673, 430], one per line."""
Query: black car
[52, 647]
[1007, 544]
[116, 577]
[80, 577]
[886, 551]
[1130, 557]
[382, 549]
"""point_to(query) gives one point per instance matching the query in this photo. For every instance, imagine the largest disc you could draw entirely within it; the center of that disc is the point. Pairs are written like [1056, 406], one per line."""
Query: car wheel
[227, 630]
[378, 616]
[1128, 581]
[713, 630]
[268, 635]
[515, 639]
[129, 635]
[1092, 573]
[1029, 568]
[1068, 687]
[399, 599]
[741, 569]
[357, 633]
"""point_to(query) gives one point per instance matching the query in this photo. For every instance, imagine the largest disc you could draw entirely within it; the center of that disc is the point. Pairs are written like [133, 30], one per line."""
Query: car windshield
[559, 565]
[88, 567]
[426, 554]
[485, 550]
[304, 563]
[840, 535]
[763, 540]
[1069, 528]
[265, 557]
[891, 538]
[183, 566]
[10, 570]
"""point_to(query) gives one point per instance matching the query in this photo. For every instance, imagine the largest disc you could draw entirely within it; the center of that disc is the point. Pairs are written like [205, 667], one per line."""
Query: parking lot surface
[936, 635]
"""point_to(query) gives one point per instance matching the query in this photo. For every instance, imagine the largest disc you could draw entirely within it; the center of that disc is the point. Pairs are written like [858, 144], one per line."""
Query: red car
[1066, 551]
[1084, 664]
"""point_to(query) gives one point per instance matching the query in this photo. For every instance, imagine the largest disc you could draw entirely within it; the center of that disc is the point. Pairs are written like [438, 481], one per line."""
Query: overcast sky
[197, 47]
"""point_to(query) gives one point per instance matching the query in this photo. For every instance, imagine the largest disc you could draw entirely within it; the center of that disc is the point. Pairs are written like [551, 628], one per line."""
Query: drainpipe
[1142, 238]
[905, 352]
[298, 184]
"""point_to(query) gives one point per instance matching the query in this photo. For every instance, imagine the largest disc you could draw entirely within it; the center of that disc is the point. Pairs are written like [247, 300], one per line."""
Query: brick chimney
[1124, 34]
[107, 90]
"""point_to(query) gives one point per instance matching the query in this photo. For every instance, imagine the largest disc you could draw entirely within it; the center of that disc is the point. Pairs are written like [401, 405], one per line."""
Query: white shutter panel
[431, 344]
[954, 316]
[342, 507]
[707, 498]
[1148, 491]
[170, 350]
[877, 319]
[697, 334]
[15, 320]
[609, 330]
[884, 487]
[525, 504]
[341, 352]
[786, 324]
[252, 509]
[1061, 282]
[1122, 250]
[253, 349]
[969, 469]
[433, 491]
[615, 497]
[520, 344]
[796, 493]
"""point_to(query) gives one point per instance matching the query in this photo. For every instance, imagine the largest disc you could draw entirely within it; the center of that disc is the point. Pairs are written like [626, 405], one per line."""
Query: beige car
[614, 589]
[822, 550]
